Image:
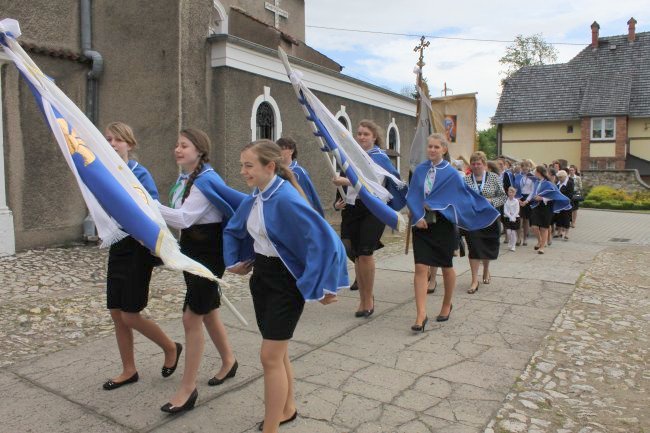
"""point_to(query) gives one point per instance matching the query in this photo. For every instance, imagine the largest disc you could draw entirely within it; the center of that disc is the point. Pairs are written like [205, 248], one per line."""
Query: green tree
[487, 142]
[527, 51]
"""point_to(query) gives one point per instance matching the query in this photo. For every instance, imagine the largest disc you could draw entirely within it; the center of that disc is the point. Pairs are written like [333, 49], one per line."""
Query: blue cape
[450, 196]
[144, 177]
[546, 189]
[308, 188]
[518, 178]
[399, 194]
[220, 195]
[307, 245]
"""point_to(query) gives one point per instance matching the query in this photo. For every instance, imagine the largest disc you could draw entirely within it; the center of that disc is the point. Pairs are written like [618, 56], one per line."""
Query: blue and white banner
[117, 202]
[362, 172]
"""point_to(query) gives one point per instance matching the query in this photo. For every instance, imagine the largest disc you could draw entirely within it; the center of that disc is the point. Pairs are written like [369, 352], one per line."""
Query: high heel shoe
[189, 404]
[442, 318]
[473, 289]
[487, 280]
[216, 381]
[420, 328]
[109, 385]
[168, 371]
[433, 289]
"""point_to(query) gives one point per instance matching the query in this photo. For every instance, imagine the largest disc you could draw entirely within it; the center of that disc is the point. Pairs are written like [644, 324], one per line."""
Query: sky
[466, 66]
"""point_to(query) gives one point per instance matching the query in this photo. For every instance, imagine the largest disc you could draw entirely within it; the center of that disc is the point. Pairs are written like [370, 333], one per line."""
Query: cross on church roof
[275, 8]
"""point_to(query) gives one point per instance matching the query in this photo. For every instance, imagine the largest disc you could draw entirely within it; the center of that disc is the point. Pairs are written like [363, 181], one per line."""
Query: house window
[603, 128]
[611, 165]
[265, 121]
[569, 129]
[593, 164]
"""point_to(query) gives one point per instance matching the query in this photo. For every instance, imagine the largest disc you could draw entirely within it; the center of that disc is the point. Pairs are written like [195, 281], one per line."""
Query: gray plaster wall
[142, 73]
[49, 23]
[295, 25]
[231, 129]
[42, 192]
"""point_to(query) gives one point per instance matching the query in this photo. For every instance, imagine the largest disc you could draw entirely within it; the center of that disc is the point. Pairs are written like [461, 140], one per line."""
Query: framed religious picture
[450, 127]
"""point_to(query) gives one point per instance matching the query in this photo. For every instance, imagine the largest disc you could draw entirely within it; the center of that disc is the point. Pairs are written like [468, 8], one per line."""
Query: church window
[265, 121]
[393, 144]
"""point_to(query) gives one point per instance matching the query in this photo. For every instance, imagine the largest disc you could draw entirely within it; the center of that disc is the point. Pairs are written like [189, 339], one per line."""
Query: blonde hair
[562, 174]
[268, 152]
[122, 132]
[376, 131]
[513, 189]
[478, 156]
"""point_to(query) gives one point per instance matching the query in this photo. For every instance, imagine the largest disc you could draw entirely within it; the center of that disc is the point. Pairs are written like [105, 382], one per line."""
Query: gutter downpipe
[92, 106]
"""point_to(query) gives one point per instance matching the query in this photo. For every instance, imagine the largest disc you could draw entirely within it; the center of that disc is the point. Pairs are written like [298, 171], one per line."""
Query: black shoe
[360, 313]
[473, 289]
[420, 328]
[433, 289]
[168, 371]
[110, 385]
[260, 426]
[368, 313]
[216, 381]
[354, 286]
[189, 404]
[445, 318]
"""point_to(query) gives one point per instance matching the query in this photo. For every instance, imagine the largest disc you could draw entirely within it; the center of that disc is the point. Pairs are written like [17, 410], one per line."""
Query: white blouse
[256, 228]
[196, 209]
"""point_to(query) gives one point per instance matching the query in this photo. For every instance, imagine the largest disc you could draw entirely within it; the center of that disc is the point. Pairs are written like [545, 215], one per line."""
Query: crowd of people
[278, 232]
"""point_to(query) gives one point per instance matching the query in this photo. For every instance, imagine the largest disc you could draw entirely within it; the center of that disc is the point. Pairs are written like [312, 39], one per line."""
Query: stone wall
[627, 180]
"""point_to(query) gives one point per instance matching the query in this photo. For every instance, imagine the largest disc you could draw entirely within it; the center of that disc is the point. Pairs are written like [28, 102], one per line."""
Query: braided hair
[201, 141]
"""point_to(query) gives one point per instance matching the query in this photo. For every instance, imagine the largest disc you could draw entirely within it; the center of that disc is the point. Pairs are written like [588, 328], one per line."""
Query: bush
[605, 197]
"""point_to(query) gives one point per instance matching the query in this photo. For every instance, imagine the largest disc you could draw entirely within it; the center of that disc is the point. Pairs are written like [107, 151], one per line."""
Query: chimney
[595, 27]
[631, 30]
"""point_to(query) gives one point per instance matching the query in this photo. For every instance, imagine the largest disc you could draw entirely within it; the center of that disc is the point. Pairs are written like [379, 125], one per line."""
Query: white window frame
[7, 234]
[601, 121]
[222, 26]
[610, 165]
[393, 125]
[342, 113]
[593, 164]
[266, 97]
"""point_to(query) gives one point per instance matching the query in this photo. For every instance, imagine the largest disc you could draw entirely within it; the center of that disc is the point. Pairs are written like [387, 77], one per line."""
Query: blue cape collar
[270, 189]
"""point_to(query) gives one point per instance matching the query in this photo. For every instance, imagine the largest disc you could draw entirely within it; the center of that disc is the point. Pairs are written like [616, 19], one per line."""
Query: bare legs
[542, 236]
[194, 346]
[217, 332]
[420, 285]
[364, 267]
[279, 403]
[125, 323]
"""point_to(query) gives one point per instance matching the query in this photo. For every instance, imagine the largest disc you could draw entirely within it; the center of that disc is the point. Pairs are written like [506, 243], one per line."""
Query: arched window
[344, 122]
[266, 121]
[393, 141]
[218, 19]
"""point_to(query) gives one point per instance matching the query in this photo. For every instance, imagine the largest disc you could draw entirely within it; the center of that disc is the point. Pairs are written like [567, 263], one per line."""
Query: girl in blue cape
[289, 155]
[437, 199]
[361, 231]
[524, 183]
[545, 200]
[127, 278]
[201, 204]
[295, 256]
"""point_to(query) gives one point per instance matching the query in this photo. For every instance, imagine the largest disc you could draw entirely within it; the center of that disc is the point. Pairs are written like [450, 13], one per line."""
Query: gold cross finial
[421, 48]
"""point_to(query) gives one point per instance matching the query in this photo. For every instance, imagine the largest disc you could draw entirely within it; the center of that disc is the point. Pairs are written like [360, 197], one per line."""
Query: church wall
[233, 103]
[294, 26]
[42, 192]
[143, 64]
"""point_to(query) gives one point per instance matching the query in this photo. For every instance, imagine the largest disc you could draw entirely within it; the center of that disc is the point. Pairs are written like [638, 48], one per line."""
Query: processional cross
[421, 47]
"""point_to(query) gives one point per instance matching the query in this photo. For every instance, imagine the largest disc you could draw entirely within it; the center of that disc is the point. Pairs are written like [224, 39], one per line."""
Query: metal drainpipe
[92, 108]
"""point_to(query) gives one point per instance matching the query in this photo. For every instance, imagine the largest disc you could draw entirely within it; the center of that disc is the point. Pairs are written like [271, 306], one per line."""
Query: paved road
[352, 375]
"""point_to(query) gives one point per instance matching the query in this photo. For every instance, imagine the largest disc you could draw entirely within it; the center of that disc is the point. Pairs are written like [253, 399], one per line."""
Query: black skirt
[361, 229]
[128, 276]
[525, 211]
[542, 215]
[435, 245]
[563, 219]
[484, 244]
[511, 225]
[203, 243]
[277, 301]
